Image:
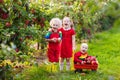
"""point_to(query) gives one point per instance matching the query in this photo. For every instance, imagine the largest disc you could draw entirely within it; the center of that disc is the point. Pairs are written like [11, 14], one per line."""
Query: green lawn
[105, 45]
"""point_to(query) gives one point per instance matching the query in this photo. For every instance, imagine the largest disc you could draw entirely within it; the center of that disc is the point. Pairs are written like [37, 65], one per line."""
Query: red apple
[1, 10]
[27, 22]
[94, 62]
[17, 50]
[42, 25]
[4, 16]
[21, 39]
[89, 31]
[43, 19]
[34, 19]
[33, 11]
[29, 37]
[7, 24]
[1, 1]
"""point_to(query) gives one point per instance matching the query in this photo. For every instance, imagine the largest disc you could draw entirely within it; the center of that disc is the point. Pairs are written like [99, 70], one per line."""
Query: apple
[27, 22]
[4, 16]
[94, 62]
[1, 10]
[88, 31]
[21, 39]
[1, 1]
[34, 19]
[32, 11]
[7, 24]
[17, 50]
[41, 24]
[28, 37]
[42, 19]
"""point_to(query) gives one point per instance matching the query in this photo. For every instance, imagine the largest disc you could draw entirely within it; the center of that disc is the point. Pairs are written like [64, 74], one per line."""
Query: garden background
[23, 24]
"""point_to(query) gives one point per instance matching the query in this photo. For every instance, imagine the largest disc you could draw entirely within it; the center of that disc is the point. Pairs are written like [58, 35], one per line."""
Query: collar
[67, 28]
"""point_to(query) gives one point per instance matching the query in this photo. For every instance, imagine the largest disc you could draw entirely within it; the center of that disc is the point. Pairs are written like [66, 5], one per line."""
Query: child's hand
[59, 39]
[54, 39]
[88, 61]
[83, 62]
[50, 29]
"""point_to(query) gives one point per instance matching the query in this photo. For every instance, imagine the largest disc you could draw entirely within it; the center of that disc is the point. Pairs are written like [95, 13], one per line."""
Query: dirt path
[41, 59]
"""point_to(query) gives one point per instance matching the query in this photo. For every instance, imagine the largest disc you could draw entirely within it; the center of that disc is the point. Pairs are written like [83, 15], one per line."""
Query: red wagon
[78, 67]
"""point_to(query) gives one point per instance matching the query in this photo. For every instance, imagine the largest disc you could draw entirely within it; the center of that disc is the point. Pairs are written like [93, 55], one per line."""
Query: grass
[105, 45]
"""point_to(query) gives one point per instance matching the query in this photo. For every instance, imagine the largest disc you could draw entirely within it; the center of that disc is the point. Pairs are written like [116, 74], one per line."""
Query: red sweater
[79, 56]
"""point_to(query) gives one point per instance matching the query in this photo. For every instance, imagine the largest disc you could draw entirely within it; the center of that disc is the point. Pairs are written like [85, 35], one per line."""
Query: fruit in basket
[94, 62]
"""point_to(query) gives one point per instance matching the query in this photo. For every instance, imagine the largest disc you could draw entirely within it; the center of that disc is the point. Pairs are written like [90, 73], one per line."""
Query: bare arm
[73, 42]
[49, 40]
[53, 40]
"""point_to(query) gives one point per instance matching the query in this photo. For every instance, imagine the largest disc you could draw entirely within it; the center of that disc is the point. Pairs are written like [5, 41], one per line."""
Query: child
[68, 43]
[82, 56]
[54, 37]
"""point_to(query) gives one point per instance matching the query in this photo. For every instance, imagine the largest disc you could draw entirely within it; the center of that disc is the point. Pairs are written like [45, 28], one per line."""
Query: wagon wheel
[94, 70]
[78, 70]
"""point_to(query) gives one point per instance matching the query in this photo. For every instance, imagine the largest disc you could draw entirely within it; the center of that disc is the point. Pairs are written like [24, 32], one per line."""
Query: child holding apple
[53, 37]
[82, 56]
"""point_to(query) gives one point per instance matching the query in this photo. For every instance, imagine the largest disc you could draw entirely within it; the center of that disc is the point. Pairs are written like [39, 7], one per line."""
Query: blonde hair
[55, 20]
[84, 44]
[72, 24]
[66, 17]
[71, 21]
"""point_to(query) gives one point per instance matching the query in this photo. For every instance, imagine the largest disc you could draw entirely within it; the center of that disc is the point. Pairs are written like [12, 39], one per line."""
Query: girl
[54, 38]
[68, 43]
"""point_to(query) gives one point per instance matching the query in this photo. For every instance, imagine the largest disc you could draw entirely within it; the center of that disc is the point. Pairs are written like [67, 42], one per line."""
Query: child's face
[84, 48]
[66, 22]
[55, 27]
